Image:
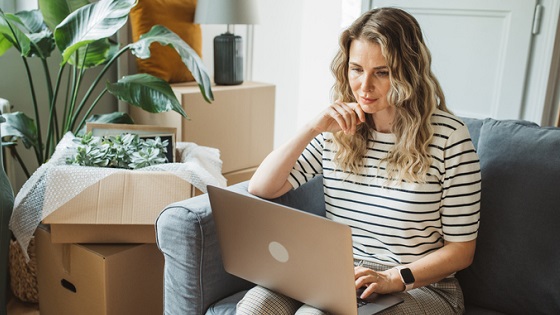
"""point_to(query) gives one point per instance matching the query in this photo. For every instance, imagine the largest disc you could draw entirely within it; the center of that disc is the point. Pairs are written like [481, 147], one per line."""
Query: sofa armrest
[194, 276]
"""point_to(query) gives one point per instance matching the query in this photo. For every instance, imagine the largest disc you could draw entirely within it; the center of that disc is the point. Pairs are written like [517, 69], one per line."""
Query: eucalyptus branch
[127, 151]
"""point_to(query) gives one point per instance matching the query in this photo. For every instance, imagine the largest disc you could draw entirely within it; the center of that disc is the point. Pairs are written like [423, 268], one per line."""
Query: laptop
[301, 255]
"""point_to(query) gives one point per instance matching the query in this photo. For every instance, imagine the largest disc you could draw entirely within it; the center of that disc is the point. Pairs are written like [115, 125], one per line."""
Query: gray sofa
[516, 266]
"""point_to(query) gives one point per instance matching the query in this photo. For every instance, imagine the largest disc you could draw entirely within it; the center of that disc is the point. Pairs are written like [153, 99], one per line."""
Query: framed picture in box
[143, 131]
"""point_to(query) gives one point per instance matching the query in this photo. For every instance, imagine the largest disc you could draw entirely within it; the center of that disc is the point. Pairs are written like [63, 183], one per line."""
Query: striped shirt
[396, 224]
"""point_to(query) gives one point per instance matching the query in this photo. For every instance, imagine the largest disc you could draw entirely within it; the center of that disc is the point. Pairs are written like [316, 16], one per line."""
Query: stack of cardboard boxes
[99, 256]
[96, 254]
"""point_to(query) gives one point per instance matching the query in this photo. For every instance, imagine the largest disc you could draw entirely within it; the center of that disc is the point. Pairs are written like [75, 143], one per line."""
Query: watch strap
[408, 283]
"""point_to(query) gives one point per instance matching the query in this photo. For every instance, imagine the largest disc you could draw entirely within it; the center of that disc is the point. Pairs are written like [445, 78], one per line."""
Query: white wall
[293, 48]
[294, 44]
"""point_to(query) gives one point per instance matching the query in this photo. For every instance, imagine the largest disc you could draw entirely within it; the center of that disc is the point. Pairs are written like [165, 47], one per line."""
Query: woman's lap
[444, 297]
[260, 300]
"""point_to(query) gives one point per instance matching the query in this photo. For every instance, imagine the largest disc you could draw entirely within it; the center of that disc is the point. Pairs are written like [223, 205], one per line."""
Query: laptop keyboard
[361, 302]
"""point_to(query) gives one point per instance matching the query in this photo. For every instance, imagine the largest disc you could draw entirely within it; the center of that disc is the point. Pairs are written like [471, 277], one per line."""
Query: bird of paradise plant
[82, 32]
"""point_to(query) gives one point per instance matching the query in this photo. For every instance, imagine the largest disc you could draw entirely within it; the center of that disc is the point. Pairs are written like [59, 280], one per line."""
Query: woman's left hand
[382, 282]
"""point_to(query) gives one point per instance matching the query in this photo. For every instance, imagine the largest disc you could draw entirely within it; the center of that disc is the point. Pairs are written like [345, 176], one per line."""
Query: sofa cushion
[515, 269]
[474, 125]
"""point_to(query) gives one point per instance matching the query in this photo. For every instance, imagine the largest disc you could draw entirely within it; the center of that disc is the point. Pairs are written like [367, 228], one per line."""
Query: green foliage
[82, 32]
[127, 151]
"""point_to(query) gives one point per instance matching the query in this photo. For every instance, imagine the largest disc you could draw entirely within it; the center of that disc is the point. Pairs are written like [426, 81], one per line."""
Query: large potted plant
[82, 32]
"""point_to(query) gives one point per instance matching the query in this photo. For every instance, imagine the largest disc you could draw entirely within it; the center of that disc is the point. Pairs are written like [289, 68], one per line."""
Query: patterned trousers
[444, 297]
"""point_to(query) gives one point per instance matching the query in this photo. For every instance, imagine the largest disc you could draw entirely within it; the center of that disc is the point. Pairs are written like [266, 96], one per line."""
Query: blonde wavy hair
[415, 93]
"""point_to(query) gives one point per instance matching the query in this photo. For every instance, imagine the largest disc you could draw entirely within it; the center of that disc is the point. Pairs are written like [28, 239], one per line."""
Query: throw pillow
[176, 15]
[515, 268]
[474, 125]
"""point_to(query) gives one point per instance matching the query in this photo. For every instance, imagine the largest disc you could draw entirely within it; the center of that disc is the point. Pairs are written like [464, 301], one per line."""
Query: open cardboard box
[120, 208]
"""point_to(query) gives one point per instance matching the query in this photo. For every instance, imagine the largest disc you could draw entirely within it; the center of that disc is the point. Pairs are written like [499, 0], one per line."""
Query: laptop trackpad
[375, 303]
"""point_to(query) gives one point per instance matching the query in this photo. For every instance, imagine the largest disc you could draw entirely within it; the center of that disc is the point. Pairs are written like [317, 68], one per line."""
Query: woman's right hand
[339, 116]
[271, 178]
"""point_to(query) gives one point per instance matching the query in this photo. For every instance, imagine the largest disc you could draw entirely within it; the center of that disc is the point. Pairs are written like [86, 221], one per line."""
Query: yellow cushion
[176, 15]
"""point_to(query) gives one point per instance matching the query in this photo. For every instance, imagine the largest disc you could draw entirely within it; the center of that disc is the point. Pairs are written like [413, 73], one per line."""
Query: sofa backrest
[474, 126]
[515, 268]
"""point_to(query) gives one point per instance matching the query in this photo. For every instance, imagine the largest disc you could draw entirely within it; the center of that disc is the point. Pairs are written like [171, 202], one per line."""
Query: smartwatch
[407, 277]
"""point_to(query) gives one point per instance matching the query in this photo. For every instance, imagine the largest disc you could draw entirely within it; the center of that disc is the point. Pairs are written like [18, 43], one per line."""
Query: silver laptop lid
[304, 256]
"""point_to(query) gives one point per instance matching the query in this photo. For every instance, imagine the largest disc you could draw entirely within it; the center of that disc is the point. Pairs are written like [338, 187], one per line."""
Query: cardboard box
[239, 122]
[239, 176]
[98, 279]
[120, 208]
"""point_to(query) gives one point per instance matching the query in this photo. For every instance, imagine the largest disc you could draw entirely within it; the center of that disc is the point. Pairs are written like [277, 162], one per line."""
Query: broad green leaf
[11, 28]
[90, 23]
[33, 21]
[26, 30]
[55, 11]
[190, 58]
[5, 44]
[98, 53]
[20, 126]
[42, 44]
[111, 118]
[147, 92]
[42, 40]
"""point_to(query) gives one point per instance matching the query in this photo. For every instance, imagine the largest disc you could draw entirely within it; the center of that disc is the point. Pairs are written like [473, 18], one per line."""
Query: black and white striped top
[397, 224]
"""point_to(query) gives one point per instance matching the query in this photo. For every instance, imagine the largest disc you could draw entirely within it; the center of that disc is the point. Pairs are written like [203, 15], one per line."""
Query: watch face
[407, 276]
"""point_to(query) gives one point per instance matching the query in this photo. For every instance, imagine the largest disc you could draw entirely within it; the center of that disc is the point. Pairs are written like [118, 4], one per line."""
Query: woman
[397, 167]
